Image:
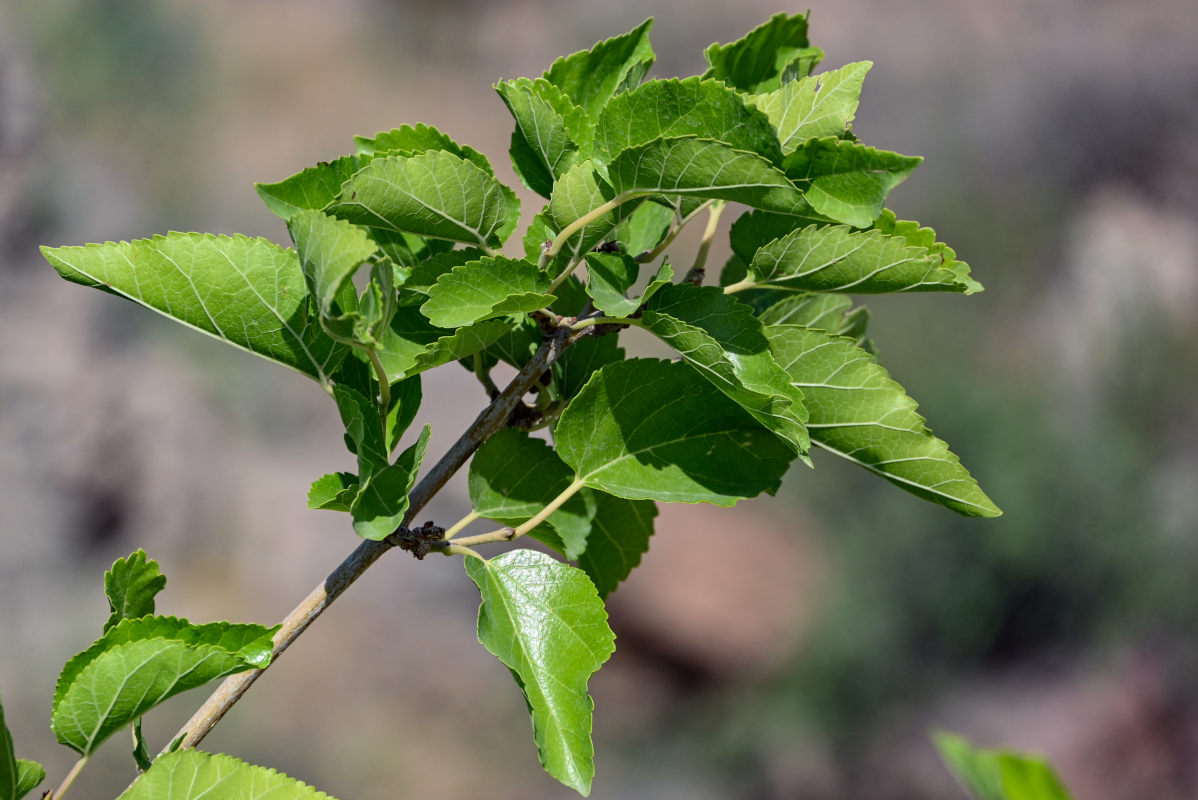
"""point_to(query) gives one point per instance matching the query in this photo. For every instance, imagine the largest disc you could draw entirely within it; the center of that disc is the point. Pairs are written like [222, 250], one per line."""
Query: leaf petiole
[548, 253]
[509, 534]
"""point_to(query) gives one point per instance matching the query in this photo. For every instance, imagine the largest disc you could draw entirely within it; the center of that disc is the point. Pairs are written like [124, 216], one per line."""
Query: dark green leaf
[141, 750]
[591, 77]
[690, 107]
[847, 181]
[312, 189]
[545, 622]
[10, 770]
[582, 359]
[382, 500]
[425, 273]
[859, 413]
[550, 131]
[248, 292]
[435, 194]
[753, 229]
[334, 492]
[815, 107]
[997, 774]
[142, 662]
[363, 428]
[406, 397]
[195, 775]
[413, 344]
[724, 342]
[490, 287]
[411, 140]
[130, 586]
[619, 536]
[657, 430]
[764, 57]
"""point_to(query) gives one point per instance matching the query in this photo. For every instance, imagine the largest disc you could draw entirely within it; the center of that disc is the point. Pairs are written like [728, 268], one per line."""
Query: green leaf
[462, 343]
[657, 430]
[582, 359]
[859, 413]
[142, 662]
[514, 476]
[413, 344]
[926, 238]
[330, 252]
[612, 275]
[406, 251]
[435, 194]
[334, 492]
[545, 622]
[550, 131]
[724, 342]
[490, 287]
[619, 536]
[835, 258]
[703, 168]
[645, 228]
[363, 429]
[690, 107]
[196, 775]
[764, 57]
[425, 273]
[130, 586]
[29, 775]
[823, 311]
[998, 774]
[312, 189]
[592, 77]
[847, 181]
[247, 292]
[753, 229]
[382, 500]
[815, 107]
[17, 777]
[410, 140]
[579, 191]
[141, 749]
[406, 397]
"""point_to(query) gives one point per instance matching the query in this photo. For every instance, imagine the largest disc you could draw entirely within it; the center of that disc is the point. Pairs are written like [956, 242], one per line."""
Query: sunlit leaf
[195, 775]
[130, 585]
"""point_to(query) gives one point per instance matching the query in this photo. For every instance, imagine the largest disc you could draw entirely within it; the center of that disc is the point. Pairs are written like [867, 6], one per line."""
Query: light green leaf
[592, 77]
[142, 662]
[690, 107]
[703, 168]
[489, 287]
[645, 228]
[514, 476]
[611, 275]
[765, 57]
[538, 235]
[859, 413]
[330, 252]
[413, 344]
[579, 191]
[334, 492]
[998, 774]
[461, 343]
[545, 622]
[815, 107]
[550, 131]
[926, 238]
[247, 292]
[619, 536]
[411, 140]
[823, 311]
[753, 229]
[847, 181]
[312, 189]
[29, 775]
[196, 775]
[130, 586]
[724, 342]
[657, 430]
[835, 258]
[382, 500]
[435, 194]
[425, 273]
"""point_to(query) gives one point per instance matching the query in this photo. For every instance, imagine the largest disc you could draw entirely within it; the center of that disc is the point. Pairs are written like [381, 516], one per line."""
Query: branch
[493, 418]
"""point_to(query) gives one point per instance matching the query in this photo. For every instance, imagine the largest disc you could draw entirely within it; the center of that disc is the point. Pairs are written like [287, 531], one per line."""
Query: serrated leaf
[545, 622]
[706, 169]
[142, 662]
[490, 287]
[926, 238]
[130, 585]
[764, 57]
[724, 342]
[582, 359]
[579, 191]
[405, 250]
[611, 275]
[514, 476]
[816, 106]
[859, 413]
[691, 107]
[310, 189]
[847, 181]
[461, 343]
[435, 194]
[420, 138]
[835, 258]
[196, 775]
[823, 311]
[657, 430]
[592, 77]
[333, 492]
[425, 273]
[247, 292]
[645, 228]
[382, 499]
[619, 536]
[17, 776]
[413, 344]
[753, 229]
[998, 774]
[330, 252]
[550, 131]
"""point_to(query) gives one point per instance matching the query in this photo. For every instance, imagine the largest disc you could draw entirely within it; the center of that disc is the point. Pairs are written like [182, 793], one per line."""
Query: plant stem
[584, 323]
[548, 254]
[56, 794]
[739, 286]
[509, 534]
[698, 270]
[492, 419]
[484, 377]
[457, 527]
[384, 391]
[650, 255]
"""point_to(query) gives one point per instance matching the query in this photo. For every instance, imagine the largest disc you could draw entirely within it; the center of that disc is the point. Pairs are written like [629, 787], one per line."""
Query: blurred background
[802, 646]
